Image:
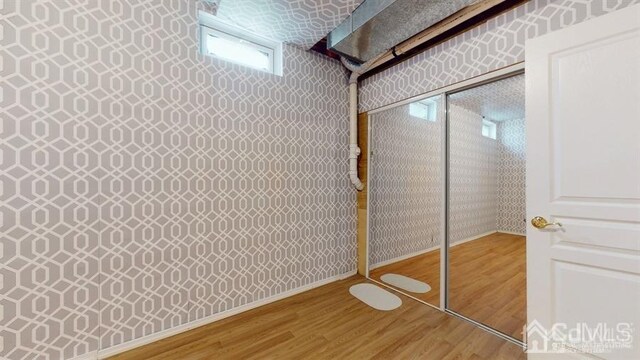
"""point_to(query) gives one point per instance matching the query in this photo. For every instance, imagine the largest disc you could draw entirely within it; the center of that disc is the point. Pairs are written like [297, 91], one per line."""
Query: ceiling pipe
[354, 149]
[441, 28]
[356, 71]
[406, 46]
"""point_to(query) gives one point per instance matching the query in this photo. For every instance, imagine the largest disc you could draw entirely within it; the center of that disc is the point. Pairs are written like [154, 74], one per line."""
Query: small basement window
[234, 44]
[488, 129]
[425, 109]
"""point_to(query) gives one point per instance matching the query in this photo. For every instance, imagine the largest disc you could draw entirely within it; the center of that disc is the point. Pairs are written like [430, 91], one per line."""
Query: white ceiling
[298, 22]
[498, 101]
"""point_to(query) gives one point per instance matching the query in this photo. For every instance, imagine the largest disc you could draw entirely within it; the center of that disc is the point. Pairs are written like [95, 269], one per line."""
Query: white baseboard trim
[473, 238]
[129, 345]
[511, 233]
[417, 253]
[404, 257]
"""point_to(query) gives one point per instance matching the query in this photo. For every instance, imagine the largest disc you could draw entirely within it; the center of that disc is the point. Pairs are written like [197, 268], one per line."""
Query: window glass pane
[423, 110]
[489, 129]
[237, 45]
[485, 130]
[239, 52]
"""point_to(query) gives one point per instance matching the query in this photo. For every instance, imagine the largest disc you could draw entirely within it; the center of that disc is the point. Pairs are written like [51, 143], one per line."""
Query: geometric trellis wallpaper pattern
[495, 44]
[143, 186]
[405, 198]
[135, 169]
[299, 22]
[512, 162]
[473, 176]
[487, 176]
[502, 101]
[487, 183]
[498, 100]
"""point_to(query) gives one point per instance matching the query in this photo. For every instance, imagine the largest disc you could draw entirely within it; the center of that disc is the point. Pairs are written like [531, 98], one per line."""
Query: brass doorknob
[540, 223]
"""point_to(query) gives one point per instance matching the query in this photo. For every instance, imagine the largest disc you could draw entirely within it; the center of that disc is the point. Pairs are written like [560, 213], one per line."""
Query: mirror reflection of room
[486, 217]
[405, 198]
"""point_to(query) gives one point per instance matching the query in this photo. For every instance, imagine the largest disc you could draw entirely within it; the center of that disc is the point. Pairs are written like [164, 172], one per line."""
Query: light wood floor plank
[487, 280]
[329, 323]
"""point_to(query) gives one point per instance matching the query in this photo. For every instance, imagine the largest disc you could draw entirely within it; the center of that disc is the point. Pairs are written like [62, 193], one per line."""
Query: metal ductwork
[378, 25]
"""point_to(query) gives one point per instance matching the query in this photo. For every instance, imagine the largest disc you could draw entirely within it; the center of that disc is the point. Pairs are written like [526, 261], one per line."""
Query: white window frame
[211, 25]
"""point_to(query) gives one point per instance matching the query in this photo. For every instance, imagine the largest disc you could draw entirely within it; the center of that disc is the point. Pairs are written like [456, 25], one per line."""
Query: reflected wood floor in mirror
[425, 267]
[329, 323]
[487, 280]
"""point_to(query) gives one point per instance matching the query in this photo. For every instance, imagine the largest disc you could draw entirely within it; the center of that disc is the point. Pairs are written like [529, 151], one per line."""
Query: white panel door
[583, 171]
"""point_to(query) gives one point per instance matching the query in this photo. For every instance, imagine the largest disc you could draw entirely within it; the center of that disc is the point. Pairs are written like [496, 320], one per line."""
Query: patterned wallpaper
[502, 102]
[176, 186]
[144, 186]
[473, 179]
[490, 46]
[512, 164]
[498, 100]
[299, 22]
[487, 176]
[405, 196]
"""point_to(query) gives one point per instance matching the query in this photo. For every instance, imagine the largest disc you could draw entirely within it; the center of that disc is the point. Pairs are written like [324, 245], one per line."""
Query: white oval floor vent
[375, 296]
[406, 283]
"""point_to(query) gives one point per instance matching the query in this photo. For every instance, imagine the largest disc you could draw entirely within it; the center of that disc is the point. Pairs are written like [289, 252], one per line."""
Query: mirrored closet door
[486, 204]
[405, 197]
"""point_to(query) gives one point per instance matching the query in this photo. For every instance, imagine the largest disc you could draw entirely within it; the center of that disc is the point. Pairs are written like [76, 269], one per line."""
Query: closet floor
[329, 323]
[487, 280]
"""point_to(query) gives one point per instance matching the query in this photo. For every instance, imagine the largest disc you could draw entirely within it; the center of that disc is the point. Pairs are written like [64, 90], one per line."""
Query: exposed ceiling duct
[378, 25]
